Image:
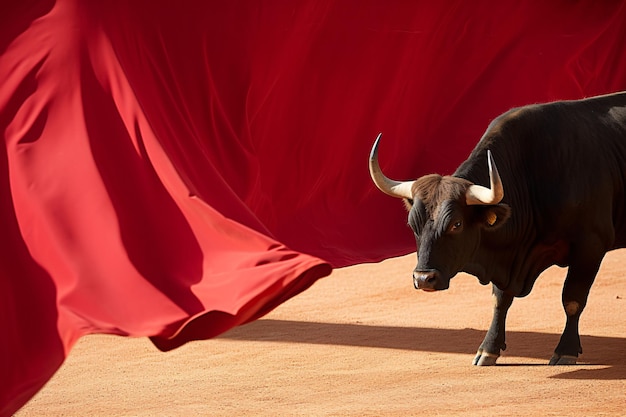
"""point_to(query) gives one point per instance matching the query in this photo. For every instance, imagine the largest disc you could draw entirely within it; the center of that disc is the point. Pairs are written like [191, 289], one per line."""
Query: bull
[563, 166]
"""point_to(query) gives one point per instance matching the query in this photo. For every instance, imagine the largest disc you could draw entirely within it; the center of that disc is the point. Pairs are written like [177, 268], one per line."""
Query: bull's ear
[492, 217]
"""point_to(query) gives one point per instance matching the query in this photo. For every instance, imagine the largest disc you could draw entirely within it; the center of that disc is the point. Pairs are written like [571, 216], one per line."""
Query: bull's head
[448, 215]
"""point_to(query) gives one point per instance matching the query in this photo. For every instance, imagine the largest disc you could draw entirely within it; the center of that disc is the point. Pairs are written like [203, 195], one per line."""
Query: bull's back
[563, 166]
[578, 166]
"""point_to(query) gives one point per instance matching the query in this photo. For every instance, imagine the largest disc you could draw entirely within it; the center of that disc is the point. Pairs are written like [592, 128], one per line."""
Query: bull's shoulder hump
[511, 116]
[602, 104]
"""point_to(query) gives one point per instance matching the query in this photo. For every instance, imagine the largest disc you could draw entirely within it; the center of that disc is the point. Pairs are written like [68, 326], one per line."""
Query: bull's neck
[503, 259]
[491, 265]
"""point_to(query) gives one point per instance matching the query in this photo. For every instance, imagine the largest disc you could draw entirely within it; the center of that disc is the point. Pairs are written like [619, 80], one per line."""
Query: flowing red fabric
[174, 169]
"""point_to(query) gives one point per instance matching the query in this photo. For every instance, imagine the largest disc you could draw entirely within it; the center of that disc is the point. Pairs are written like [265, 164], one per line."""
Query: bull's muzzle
[429, 280]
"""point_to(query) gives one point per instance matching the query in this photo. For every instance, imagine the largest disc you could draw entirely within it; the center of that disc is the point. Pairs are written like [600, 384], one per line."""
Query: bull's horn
[479, 195]
[399, 189]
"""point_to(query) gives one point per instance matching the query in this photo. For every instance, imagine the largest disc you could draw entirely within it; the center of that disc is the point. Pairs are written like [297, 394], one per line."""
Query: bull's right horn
[399, 189]
[479, 195]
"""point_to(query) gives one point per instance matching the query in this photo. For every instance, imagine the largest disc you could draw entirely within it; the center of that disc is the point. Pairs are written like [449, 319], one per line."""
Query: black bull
[557, 197]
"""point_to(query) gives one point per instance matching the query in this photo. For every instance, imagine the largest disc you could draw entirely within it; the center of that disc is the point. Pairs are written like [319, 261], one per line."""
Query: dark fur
[563, 167]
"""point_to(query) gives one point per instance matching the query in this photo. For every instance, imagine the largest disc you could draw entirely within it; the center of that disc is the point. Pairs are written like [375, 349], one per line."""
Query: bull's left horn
[399, 189]
[479, 195]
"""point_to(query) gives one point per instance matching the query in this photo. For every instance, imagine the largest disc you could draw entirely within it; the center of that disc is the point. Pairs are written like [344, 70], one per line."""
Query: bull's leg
[494, 341]
[580, 277]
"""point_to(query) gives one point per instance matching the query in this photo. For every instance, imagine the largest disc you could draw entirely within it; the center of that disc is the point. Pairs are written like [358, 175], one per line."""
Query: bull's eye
[456, 226]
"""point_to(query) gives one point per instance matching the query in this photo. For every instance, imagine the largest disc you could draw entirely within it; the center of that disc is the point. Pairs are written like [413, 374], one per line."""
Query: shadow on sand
[606, 351]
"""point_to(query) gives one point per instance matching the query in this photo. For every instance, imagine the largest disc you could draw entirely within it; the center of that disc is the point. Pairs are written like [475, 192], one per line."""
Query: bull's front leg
[494, 341]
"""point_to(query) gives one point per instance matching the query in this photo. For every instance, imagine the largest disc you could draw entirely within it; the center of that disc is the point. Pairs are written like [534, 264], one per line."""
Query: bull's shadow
[598, 350]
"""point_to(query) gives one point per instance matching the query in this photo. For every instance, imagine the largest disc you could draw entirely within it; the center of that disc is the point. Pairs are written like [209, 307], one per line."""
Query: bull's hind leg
[580, 276]
[494, 341]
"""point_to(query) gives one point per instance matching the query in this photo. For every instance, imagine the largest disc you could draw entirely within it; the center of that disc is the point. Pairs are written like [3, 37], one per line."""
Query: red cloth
[173, 169]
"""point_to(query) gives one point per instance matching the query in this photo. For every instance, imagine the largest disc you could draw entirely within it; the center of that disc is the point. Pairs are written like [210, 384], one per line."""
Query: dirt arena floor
[363, 342]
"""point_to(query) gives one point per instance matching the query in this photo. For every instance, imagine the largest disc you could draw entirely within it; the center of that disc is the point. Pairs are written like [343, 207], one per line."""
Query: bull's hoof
[485, 358]
[563, 360]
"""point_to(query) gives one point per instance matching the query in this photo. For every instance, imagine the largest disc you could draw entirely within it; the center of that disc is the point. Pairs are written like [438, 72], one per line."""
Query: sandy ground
[363, 342]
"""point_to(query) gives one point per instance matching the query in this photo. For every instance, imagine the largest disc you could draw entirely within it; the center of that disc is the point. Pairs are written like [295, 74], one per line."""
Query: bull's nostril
[425, 279]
